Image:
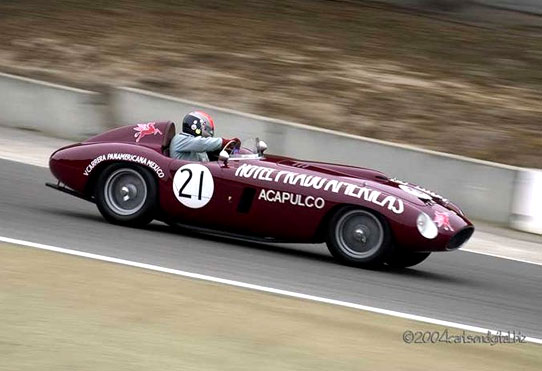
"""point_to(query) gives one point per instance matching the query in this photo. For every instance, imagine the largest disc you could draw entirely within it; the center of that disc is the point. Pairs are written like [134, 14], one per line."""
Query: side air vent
[246, 200]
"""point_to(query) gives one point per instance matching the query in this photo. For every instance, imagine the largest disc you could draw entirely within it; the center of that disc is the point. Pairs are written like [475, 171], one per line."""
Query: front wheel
[126, 194]
[358, 237]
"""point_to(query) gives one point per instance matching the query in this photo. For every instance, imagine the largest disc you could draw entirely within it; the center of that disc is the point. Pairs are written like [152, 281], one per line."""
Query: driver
[196, 139]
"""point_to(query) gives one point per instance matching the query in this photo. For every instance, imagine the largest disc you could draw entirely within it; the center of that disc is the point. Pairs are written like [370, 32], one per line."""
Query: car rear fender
[95, 175]
[77, 166]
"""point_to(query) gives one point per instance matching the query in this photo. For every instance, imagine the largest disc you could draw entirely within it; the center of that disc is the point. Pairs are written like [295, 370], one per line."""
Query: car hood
[368, 177]
[335, 170]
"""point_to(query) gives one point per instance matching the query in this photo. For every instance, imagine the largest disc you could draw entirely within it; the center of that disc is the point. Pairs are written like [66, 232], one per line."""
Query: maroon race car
[365, 217]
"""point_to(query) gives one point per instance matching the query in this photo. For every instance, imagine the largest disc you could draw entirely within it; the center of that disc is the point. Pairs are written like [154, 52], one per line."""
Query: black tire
[405, 259]
[126, 194]
[358, 237]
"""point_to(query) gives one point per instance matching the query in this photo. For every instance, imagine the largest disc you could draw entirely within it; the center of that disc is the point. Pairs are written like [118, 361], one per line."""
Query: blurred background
[456, 76]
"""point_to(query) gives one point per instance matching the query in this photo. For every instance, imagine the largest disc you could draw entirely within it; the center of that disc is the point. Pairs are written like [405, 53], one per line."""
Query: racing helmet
[198, 123]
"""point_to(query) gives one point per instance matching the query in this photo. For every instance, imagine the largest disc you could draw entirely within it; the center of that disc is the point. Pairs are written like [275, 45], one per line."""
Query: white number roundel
[193, 185]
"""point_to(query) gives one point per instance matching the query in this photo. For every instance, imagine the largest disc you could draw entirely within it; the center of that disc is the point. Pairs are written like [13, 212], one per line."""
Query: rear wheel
[405, 259]
[358, 237]
[126, 194]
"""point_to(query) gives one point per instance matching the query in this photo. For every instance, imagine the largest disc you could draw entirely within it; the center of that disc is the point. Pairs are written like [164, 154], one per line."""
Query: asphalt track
[462, 287]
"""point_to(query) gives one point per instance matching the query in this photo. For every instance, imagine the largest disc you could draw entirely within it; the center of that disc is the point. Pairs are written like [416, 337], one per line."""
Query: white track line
[258, 287]
[501, 256]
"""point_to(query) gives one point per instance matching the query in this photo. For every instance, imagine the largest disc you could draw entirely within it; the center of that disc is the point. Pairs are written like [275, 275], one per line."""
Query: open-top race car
[365, 217]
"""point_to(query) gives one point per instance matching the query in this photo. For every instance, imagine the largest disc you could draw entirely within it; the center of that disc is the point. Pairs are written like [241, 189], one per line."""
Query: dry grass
[66, 313]
[368, 70]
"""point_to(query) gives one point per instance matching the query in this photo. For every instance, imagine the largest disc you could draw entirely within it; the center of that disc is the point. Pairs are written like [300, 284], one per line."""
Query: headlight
[426, 226]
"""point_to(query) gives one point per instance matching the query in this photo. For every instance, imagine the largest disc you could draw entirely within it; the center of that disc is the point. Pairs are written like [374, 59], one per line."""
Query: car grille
[460, 238]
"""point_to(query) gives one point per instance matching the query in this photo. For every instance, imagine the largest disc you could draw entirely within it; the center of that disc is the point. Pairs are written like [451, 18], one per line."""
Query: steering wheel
[232, 146]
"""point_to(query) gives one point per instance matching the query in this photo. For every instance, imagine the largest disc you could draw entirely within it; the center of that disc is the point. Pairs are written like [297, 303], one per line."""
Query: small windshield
[246, 151]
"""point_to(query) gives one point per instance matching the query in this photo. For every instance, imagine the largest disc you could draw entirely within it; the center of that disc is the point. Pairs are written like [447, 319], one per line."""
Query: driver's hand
[226, 141]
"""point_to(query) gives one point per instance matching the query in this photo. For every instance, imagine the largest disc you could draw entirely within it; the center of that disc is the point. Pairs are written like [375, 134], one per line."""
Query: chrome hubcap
[128, 192]
[360, 235]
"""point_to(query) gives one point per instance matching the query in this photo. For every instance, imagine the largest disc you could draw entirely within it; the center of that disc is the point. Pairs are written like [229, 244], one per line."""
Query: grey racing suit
[187, 147]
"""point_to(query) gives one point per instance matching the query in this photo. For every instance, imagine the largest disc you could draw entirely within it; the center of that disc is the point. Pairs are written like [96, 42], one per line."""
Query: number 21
[200, 186]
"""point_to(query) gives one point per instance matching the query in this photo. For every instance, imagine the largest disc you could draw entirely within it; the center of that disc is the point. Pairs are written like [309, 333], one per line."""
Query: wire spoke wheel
[126, 194]
[359, 233]
[125, 191]
[358, 237]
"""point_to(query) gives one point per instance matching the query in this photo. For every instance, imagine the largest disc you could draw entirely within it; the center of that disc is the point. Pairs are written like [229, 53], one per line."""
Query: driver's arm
[197, 144]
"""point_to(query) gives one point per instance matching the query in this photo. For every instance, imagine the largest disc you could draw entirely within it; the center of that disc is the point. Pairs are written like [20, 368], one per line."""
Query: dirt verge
[64, 312]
